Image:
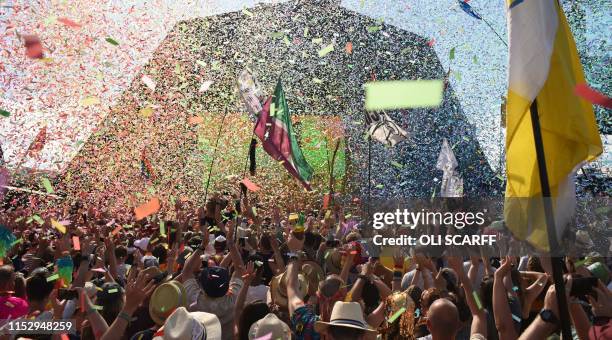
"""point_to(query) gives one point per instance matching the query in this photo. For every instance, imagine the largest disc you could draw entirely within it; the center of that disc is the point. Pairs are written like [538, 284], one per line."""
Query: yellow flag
[544, 65]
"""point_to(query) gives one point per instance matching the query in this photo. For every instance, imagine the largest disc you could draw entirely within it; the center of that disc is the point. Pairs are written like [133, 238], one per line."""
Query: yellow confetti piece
[53, 277]
[89, 101]
[112, 291]
[326, 50]
[397, 315]
[477, 298]
[385, 95]
[60, 227]
[146, 112]
[247, 12]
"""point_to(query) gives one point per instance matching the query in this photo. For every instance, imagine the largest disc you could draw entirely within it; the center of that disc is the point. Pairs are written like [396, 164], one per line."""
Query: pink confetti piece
[148, 82]
[69, 23]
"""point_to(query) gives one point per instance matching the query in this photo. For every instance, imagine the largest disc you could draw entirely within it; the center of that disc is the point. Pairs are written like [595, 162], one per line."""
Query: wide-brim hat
[278, 288]
[166, 298]
[345, 314]
[270, 327]
[314, 274]
[182, 325]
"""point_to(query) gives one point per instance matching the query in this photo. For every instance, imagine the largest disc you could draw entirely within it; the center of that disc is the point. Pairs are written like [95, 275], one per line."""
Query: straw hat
[166, 298]
[345, 314]
[314, 274]
[182, 325]
[278, 288]
[399, 326]
[270, 327]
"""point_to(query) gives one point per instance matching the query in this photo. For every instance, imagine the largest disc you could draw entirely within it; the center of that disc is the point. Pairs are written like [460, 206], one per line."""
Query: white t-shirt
[257, 293]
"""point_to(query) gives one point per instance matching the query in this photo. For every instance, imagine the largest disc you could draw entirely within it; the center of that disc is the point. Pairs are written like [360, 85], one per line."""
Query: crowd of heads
[228, 271]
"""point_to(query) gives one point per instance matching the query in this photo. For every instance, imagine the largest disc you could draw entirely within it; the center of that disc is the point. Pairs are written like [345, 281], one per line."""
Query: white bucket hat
[182, 325]
[345, 314]
[271, 327]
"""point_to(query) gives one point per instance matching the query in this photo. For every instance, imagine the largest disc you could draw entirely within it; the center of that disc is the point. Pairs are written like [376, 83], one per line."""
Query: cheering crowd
[228, 271]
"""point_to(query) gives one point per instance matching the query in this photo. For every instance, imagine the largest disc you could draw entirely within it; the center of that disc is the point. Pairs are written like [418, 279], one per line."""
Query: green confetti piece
[47, 184]
[317, 40]
[112, 41]
[17, 241]
[516, 318]
[397, 165]
[327, 254]
[247, 12]
[457, 75]
[277, 35]
[96, 307]
[372, 29]
[305, 32]
[451, 54]
[515, 288]
[580, 263]
[317, 81]
[286, 41]
[201, 63]
[384, 95]
[475, 59]
[477, 298]
[53, 277]
[162, 228]
[4, 113]
[379, 186]
[38, 219]
[112, 291]
[397, 315]
[326, 50]
[258, 263]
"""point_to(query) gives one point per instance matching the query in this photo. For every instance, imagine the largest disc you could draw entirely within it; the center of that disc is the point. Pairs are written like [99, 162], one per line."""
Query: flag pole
[212, 162]
[369, 174]
[556, 261]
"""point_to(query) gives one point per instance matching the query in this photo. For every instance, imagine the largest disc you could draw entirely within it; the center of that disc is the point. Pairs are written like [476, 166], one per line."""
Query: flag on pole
[274, 129]
[544, 65]
[468, 9]
[383, 129]
[452, 183]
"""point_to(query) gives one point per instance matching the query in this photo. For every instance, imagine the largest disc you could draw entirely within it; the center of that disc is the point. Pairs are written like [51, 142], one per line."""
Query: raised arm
[501, 308]
[479, 319]
[294, 297]
[137, 290]
[248, 278]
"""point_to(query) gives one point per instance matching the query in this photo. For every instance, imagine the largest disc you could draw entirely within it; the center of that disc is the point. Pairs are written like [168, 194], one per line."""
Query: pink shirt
[12, 307]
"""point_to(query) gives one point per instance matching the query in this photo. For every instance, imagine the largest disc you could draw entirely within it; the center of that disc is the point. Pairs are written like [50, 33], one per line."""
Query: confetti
[384, 95]
[592, 96]
[148, 82]
[162, 228]
[76, 243]
[397, 315]
[112, 41]
[60, 227]
[205, 86]
[250, 185]
[117, 229]
[47, 185]
[113, 290]
[247, 12]
[34, 48]
[326, 50]
[4, 113]
[196, 120]
[53, 277]
[89, 101]
[147, 209]
[349, 47]
[516, 318]
[69, 23]
[477, 299]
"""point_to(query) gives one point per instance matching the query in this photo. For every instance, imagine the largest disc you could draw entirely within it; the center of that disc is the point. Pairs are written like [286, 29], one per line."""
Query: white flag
[383, 129]
[452, 183]
[251, 92]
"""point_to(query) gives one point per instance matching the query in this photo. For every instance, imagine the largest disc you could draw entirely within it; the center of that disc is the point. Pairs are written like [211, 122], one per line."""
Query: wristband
[125, 316]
